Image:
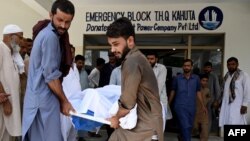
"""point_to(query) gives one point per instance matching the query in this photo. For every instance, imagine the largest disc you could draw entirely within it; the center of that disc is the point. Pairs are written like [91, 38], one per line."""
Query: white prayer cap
[11, 28]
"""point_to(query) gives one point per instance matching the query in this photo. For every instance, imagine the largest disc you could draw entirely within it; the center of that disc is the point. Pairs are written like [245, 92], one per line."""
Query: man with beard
[10, 115]
[28, 45]
[44, 97]
[137, 87]
[185, 89]
[160, 72]
[80, 64]
[236, 95]
[25, 50]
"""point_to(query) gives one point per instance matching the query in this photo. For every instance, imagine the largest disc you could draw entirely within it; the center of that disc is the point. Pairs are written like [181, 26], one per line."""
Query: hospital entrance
[171, 50]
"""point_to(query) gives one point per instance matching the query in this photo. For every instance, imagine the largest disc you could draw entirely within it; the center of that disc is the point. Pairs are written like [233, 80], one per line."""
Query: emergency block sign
[233, 132]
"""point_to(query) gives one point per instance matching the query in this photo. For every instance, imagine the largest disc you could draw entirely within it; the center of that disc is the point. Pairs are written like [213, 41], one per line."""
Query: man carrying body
[44, 96]
[138, 86]
[236, 95]
[10, 115]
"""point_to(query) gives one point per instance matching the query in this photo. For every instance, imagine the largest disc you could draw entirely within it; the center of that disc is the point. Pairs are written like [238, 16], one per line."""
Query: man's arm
[217, 89]
[56, 87]
[7, 107]
[112, 80]
[51, 73]
[115, 119]
[246, 93]
[171, 97]
[199, 96]
[91, 77]
[162, 78]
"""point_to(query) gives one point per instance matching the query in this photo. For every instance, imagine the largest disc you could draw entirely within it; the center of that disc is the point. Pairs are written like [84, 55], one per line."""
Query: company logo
[211, 18]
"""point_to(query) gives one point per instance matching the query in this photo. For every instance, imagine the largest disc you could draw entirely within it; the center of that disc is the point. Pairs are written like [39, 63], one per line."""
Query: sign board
[157, 21]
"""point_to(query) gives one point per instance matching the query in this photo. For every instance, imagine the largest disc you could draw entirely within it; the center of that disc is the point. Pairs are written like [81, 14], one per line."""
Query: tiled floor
[169, 136]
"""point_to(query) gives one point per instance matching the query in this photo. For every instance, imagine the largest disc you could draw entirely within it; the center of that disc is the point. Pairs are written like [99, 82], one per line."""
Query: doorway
[172, 49]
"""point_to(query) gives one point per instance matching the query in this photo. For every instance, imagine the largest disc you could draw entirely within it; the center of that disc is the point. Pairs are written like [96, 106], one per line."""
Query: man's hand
[3, 97]
[243, 110]
[66, 107]
[216, 104]
[204, 109]
[7, 108]
[114, 122]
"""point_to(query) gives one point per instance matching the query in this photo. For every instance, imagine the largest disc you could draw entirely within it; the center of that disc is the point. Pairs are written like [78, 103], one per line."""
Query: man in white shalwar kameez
[160, 72]
[236, 95]
[10, 115]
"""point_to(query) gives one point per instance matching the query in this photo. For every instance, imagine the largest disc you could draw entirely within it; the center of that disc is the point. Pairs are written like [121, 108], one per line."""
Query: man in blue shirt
[44, 96]
[185, 88]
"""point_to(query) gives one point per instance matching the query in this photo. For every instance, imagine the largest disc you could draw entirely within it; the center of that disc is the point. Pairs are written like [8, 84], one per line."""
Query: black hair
[100, 61]
[196, 71]
[29, 40]
[121, 27]
[208, 64]
[64, 5]
[232, 59]
[188, 60]
[79, 57]
[71, 46]
[204, 76]
[152, 53]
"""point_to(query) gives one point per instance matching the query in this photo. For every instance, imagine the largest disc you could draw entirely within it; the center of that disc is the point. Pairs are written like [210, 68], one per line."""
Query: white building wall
[19, 13]
[235, 25]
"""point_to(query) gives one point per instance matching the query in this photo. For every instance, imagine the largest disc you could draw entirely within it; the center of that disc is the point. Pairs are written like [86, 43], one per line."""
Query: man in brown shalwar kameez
[138, 84]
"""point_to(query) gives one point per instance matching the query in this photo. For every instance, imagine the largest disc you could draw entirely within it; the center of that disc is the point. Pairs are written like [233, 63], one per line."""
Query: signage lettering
[145, 21]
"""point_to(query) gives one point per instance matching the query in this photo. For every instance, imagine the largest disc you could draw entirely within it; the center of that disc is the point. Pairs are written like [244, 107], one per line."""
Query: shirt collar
[191, 76]
[52, 28]
[156, 65]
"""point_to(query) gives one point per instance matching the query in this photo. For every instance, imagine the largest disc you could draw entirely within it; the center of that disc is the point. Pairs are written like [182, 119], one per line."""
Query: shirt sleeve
[1, 57]
[112, 78]
[162, 78]
[198, 84]
[92, 76]
[217, 87]
[51, 58]
[246, 89]
[132, 73]
[174, 84]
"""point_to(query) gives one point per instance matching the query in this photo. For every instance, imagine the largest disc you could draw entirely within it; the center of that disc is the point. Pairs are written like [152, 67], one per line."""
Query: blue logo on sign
[211, 18]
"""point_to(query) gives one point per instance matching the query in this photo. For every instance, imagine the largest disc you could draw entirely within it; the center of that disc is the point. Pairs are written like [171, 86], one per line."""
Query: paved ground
[169, 136]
